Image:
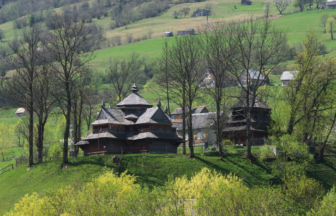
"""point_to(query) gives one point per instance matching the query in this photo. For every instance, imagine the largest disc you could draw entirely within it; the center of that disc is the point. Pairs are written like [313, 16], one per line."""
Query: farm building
[287, 77]
[246, 2]
[201, 12]
[203, 128]
[168, 34]
[20, 112]
[235, 129]
[177, 115]
[132, 127]
[330, 4]
[253, 77]
[208, 80]
[186, 32]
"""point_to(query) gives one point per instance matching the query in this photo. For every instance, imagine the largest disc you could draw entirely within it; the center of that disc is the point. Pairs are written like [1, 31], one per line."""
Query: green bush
[53, 149]
[331, 21]
[265, 151]
[327, 206]
[302, 193]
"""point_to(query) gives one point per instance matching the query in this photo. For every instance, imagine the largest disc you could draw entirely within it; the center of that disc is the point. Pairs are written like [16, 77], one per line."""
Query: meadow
[151, 171]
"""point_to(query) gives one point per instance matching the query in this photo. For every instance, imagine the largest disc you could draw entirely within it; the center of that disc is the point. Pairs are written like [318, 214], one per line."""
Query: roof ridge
[110, 114]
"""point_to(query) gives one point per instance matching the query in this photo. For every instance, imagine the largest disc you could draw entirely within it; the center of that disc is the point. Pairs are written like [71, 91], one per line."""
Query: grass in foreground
[152, 170]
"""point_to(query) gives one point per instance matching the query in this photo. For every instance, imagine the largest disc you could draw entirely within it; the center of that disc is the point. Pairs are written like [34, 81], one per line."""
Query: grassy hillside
[296, 24]
[153, 170]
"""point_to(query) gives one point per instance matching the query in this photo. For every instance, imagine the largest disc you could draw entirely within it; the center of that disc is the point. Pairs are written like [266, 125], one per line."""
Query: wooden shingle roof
[194, 110]
[258, 103]
[116, 116]
[134, 100]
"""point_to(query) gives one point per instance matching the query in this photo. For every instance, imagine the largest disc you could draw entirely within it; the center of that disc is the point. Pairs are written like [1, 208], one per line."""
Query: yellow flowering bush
[105, 195]
[205, 193]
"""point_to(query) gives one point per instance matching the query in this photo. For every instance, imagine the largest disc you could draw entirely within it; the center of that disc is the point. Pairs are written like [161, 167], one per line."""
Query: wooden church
[133, 127]
[235, 128]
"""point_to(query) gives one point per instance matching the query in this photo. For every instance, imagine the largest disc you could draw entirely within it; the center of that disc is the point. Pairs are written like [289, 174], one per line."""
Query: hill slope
[153, 170]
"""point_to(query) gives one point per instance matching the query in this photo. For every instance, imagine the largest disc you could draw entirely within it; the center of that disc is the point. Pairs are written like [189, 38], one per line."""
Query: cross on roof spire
[103, 104]
[159, 103]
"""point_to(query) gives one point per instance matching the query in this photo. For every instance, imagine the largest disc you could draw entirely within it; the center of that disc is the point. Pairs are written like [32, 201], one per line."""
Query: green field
[296, 24]
[152, 170]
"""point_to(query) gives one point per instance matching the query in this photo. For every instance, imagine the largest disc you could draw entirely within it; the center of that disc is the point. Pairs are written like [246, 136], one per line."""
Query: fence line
[8, 159]
[7, 168]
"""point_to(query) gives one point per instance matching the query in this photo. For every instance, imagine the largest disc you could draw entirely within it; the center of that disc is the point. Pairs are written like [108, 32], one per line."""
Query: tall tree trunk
[75, 121]
[67, 128]
[40, 141]
[323, 145]
[31, 132]
[167, 92]
[248, 137]
[219, 133]
[89, 122]
[331, 31]
[79, 130]
[248, 122]
[183, 121]
[190, 131]
[290, 127]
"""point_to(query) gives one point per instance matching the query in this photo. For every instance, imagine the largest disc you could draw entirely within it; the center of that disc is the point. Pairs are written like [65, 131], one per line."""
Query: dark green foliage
[31, 20]
[3, 72]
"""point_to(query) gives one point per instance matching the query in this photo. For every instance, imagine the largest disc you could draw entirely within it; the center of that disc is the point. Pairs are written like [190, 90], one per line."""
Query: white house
[331, 4]
[20, 112]
[287, 77]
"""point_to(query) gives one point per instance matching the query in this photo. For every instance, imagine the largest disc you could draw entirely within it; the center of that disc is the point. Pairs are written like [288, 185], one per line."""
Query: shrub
[302, 193]
[53, 149]
[205, 193]
[327, 206]
[265, 151]
[331, 21]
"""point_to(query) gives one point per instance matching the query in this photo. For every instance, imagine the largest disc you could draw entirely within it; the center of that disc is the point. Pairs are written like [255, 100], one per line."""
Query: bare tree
[208, 7]
[185, 11]
[43, 103]
[300, 4]
[172, 89]
[217, 52]
[64, 44]
[164, 79]
[176, 14]
[149, 33]
[256, 48]
[323, 20]
[185, 59]
[123, 74]
[318, 2]
[267, 9]
[19, 90]
[80, 96]
[281, 5]
[90, 107]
